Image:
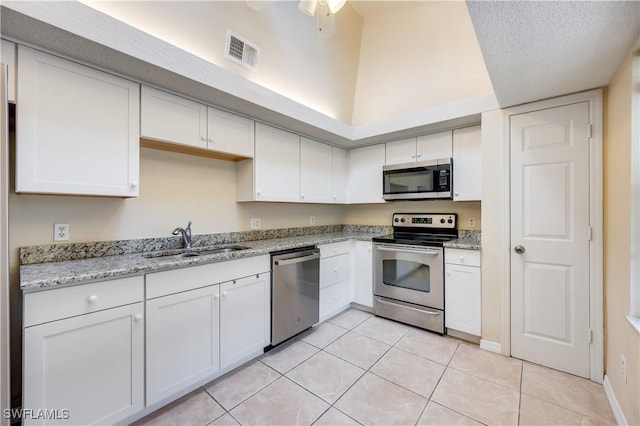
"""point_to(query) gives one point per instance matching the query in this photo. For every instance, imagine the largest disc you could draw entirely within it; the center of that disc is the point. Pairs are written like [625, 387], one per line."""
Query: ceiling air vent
[242, 51]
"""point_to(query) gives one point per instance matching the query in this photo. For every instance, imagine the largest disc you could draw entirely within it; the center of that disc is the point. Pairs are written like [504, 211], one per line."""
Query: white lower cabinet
[335, 274]
[182, 341]
[463, 291]
[363, 274]
[86, 369]
[334, 299]
[245, 317]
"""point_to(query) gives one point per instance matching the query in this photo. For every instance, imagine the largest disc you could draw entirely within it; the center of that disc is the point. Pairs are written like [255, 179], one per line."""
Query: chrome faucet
[186, 235]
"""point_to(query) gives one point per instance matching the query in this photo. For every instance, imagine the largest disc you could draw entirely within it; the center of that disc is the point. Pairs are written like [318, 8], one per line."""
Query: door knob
[519, 249]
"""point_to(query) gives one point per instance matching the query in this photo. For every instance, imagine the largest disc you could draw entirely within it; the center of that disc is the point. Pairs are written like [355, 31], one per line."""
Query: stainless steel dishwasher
[295, 292]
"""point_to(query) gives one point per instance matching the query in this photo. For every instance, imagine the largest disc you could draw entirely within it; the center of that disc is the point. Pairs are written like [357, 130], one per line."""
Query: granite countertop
[67, 272]
[469, 240]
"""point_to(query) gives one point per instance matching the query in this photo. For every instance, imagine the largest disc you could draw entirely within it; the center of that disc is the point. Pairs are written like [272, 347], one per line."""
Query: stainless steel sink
[195, 252]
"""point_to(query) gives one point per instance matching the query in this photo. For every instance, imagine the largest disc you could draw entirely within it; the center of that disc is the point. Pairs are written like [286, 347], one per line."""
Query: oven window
[408, 181]
[406, 274]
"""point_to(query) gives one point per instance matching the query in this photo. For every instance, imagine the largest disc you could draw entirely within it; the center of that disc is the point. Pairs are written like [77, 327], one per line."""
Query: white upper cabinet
[467, 162]
[8, 51]
[422, 148]
[230, 133]
[434, 145]
[274, 173]
[77, 129]
[365, 174]
[171, 118]
[316, 164]
[340, 168]
[402, 151]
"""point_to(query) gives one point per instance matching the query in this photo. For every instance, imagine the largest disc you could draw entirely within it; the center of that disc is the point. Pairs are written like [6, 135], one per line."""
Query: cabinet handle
[455, 193]
[202, 138]
[258, 193]
[419, 155]
[216, 296]
[448, 272]
[224, 293]
[93, 298]
[134, 183]
[234, 281]
[335, 197]
[462, 259]
[137, 317]
[335, 298]
[211, 140]
[302, 196]
[257, 275]
[413, 156]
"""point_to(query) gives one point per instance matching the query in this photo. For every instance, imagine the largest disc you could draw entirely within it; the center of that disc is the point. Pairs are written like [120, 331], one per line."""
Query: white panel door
[170, 118]
[91, 365]
[434, 146]
[549, 227]
[340, 168]
[78, 130]
[467, 164]
[277, 164]
[230, 133]
[245, 317]
[365, 174]
[316, 164]
[402, 151]
[182, 341]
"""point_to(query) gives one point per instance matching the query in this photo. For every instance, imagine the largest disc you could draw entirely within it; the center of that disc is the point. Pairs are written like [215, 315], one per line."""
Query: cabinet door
[182, 341]
[467, 172]
[402, 151]
[316, 163]
[171, 118]
[245, 317]
[78, 129]
[91, 365]
[230, 133]
[462, 298]
[277, 164]
[363, 274]
[434, 146]
[334, 299]
[8, 51]
[340, 173]
[365, 174]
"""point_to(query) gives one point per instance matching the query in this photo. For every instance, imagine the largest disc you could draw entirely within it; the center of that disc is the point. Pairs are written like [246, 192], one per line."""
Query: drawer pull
[461, 258]
[224, 293]
[216, 296]
[93, 298]
[137, 317]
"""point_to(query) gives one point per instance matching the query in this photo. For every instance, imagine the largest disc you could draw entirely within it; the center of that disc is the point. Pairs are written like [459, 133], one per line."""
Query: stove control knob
[441, 220]
[396, 219]
[402, 220]
[450, 221]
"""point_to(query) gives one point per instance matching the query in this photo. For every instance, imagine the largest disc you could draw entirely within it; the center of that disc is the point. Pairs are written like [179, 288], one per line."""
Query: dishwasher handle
[294, 260]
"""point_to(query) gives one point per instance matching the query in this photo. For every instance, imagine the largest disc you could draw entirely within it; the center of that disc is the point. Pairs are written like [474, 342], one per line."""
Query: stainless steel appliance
[295, 292]
[408, 269]
[418, 181]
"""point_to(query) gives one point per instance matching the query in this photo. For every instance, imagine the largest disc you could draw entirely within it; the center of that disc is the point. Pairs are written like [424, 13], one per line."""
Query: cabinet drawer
[55, 304]
[334, 249]
[462, 257]
[177, 280]
[333, 270]
[334, 298]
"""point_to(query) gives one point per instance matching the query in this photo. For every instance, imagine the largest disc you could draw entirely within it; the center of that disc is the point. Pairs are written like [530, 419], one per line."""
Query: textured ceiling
[539, 49]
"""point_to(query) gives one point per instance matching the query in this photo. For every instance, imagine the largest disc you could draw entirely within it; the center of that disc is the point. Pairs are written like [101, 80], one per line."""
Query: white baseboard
[490, 346]
[613, 402]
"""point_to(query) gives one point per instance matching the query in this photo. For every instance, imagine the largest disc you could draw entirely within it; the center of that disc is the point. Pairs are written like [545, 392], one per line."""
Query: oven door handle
[401, 250]
[384, 302]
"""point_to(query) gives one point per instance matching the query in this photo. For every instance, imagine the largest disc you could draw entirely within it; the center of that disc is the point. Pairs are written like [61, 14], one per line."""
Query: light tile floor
[360, 369]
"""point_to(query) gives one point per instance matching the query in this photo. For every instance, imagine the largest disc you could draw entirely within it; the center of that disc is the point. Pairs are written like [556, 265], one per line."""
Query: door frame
[596, 291]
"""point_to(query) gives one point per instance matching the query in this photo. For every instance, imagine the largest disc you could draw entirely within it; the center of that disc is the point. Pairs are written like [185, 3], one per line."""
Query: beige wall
[380, 214]
[393, 79]
[620, 337]
[294, 62]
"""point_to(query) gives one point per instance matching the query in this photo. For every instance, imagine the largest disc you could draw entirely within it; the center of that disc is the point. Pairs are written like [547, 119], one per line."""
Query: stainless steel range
[408, 269]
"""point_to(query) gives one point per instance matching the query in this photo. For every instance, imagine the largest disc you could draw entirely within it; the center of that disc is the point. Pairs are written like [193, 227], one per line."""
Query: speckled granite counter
[36, 276]
[469, 240]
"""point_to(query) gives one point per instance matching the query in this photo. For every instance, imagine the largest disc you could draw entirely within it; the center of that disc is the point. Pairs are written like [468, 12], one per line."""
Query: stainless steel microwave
[422, 180]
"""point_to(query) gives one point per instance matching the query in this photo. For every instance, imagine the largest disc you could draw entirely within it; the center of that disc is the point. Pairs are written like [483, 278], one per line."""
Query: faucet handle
[189, 224]
[177, 231]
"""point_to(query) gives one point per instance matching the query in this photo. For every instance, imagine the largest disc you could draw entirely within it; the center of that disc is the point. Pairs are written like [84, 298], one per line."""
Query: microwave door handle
[396, 250]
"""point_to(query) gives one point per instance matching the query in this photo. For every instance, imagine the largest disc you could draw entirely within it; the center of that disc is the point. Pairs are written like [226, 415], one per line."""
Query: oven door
[411, 274]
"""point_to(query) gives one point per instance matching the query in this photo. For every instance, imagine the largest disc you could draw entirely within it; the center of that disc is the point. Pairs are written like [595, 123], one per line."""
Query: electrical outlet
[312, 220]
[623, 367]
[255, 223]
[60, 232]
[472, 222]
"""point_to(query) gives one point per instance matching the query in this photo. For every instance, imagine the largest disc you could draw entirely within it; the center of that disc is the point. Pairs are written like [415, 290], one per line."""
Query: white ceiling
[540, 49]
